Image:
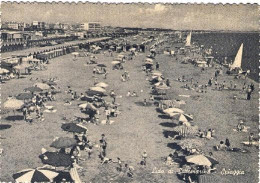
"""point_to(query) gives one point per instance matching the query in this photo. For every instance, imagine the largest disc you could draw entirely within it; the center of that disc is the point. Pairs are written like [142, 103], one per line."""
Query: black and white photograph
[129, 92]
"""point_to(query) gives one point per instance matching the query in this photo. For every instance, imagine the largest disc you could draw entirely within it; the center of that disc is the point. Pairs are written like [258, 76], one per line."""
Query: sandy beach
[137, 128]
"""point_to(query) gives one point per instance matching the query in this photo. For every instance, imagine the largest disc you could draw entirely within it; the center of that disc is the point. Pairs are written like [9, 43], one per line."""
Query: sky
[172, 16]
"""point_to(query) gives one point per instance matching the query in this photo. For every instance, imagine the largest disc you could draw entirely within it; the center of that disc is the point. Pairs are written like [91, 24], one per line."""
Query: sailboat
[235, 68]
[238, 59]
[188, 40]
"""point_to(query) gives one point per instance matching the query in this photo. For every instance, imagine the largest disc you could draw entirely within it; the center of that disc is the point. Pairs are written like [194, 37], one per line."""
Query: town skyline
[176, 17]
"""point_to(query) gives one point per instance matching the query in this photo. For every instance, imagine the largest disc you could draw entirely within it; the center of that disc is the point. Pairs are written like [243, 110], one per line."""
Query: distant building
[14, 25]
[90, 26]
[38, 25]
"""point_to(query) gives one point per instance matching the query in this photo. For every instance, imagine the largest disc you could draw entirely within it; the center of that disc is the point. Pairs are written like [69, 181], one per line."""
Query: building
[38, 25]
[14, 25]
[91, 26]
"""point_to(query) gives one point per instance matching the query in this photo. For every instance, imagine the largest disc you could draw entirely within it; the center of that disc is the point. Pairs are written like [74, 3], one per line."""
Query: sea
[227, 44]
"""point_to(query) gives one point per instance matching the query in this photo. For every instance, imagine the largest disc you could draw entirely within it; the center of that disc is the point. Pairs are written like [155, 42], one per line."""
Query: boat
[188, 40]
[238, 59]
[236, 68]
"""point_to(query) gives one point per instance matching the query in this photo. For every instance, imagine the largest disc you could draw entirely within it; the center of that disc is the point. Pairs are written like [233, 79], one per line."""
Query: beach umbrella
[97, 90]
[149, 60]
[13, 104]
[163, 87]
[121, 56]
[22, 66]
[88, 106]
[40, 174]
[115, 62]
[63, 142]
[101, 84]
[183, 117]
[33, 89]
[156, 73]
[4, 71]
[73, 127]
[24, 96]
[186, 130]
[101, 65]
[173, 110]
[51, 83]
[42, 86]
[148, 63]
[201, 160]
[75, 53]
[80, 115]
[56, 159]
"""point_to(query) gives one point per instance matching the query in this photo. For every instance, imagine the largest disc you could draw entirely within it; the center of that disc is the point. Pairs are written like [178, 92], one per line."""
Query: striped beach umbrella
[35, 175]
[184, 130]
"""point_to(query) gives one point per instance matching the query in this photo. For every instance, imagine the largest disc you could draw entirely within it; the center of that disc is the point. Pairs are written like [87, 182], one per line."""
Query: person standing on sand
[251, 139]
[144, 157]
[157, 66]
[249, 92]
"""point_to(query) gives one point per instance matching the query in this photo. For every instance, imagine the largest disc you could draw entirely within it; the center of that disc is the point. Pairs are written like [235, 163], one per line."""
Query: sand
[137, 128]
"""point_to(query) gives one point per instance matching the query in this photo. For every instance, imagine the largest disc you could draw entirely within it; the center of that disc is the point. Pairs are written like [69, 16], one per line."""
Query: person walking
[249, 92]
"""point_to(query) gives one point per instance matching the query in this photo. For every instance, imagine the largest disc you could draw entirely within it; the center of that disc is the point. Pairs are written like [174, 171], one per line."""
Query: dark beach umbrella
[35, 175]
[73, 127]
[33, 89]
[56, 159]
[63, 142]
[24, 96]
[101, 65]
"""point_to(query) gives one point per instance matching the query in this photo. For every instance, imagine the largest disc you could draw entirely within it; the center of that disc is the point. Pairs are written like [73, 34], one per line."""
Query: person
[231, 84]
[129, 170]
[134, 94]
[201, 134]
[249, 92]
[151, 98]
[145, 102]
[119, 162]
[128, 94]
[240, 126]
[252, 86]
[251, 139]
[89, 151]
[222, 146]
[107, 116]
[94, 71]
[169, 159]
[25, 110]
[105, 75]
[113, 95]
[216, 84]
[209, 134]
[167, 82]
[210, 82]
[227, 143]
[244, 87]
[157, 66]
[144, 157]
